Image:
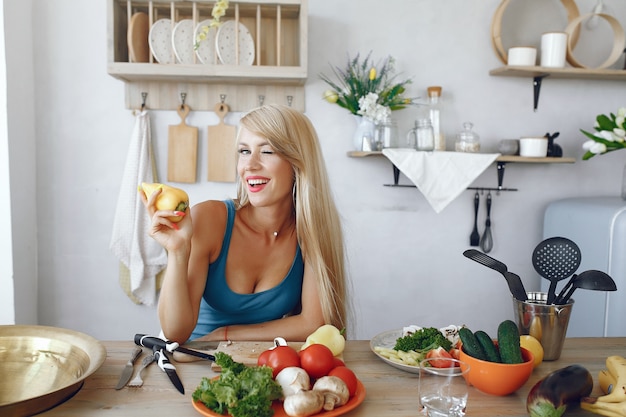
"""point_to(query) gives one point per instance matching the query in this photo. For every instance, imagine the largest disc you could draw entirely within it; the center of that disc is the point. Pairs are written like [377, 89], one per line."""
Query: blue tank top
[220, 306]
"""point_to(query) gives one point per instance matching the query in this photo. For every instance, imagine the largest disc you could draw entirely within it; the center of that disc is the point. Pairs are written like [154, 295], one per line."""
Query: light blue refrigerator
[598, 226]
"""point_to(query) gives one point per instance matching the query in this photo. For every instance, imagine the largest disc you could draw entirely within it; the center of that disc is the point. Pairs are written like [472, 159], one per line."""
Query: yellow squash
[171, 198]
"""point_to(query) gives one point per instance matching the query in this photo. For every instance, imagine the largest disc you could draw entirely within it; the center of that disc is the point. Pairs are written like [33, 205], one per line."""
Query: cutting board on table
[182, 149]
[247, 352]
[222, 149]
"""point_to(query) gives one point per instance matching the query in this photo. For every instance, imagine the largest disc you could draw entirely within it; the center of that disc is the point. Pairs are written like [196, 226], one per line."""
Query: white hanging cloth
[138, 252]
[440, 176]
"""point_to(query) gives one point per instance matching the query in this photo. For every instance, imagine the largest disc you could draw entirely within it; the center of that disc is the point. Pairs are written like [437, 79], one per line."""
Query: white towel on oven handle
[130, 242]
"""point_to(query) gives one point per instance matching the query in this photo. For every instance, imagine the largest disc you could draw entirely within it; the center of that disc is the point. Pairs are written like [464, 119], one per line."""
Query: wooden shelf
[539, 73]
[571, 73]
[501, 158]
[279, 29]
[501, 161]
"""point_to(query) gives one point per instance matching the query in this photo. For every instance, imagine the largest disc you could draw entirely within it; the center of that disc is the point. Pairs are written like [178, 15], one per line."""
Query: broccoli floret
[424, 339]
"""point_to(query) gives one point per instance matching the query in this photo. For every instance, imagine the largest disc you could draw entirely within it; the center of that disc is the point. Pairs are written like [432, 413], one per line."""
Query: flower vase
[363, 139]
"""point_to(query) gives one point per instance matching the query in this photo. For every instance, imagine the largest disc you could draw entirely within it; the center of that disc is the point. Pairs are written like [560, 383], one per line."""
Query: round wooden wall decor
[619, 40]
[496, 26]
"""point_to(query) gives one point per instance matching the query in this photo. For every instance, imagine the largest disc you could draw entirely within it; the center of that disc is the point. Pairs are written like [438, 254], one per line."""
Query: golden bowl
[41, 366]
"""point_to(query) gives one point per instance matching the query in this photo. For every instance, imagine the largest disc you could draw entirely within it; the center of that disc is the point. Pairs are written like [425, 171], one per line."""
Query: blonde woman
[268, 263]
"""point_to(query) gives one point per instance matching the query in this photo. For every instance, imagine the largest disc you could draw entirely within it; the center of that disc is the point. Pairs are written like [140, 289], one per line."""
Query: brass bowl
[41, 366]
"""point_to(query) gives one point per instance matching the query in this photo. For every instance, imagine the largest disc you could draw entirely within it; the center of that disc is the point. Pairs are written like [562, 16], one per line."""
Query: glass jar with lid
[467, 140]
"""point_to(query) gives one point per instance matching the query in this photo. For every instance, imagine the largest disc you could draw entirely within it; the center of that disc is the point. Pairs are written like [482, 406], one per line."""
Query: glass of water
[443, 387]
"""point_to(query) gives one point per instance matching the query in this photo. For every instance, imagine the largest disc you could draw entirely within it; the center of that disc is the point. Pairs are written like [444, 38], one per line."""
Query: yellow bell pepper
[171, 198]
[327, 335]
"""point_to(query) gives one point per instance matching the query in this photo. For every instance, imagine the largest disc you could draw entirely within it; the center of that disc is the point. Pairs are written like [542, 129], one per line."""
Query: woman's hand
[172, 236]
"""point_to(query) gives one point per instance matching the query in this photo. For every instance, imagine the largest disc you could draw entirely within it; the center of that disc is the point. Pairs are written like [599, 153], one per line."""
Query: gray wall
[406, 261]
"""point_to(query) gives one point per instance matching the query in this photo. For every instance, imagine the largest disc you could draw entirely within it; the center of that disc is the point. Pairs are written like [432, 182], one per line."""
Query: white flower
[594, 147]
[368, 107]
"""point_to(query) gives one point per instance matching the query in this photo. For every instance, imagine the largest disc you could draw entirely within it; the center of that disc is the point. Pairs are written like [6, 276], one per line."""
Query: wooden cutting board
[182, 150]
[222, 149]
[247, 352]
[137, 36]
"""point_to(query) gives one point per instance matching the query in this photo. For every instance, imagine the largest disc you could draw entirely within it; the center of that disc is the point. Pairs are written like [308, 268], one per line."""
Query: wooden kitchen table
[390, 391]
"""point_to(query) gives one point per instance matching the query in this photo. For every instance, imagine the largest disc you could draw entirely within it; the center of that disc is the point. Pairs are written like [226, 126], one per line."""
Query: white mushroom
[335, 391]
[303, 403]
[293, 380]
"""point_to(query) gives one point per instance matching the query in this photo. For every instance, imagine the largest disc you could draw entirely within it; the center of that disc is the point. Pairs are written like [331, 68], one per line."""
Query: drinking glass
[443, 388]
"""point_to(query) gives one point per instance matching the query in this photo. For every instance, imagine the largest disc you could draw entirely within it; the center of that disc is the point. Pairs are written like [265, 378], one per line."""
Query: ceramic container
[536, 147]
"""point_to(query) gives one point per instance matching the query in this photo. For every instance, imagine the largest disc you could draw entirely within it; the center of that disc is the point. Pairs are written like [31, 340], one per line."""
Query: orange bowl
[497, 378]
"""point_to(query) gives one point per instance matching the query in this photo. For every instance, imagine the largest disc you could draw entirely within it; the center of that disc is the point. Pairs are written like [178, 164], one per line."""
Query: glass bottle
[467, 140]
[434, 110]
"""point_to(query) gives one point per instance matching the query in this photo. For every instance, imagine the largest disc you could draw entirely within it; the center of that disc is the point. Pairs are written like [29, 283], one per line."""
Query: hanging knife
[151, 342]
[167, 367]
[128, 369]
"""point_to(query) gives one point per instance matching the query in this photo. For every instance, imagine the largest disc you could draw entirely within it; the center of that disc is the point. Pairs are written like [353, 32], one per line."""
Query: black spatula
[515, 283]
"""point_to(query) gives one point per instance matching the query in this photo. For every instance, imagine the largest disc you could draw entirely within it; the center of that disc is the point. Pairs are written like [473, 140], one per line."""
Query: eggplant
[551, 396]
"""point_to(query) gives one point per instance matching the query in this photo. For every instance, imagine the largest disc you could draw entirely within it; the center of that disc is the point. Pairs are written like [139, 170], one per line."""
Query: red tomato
[455, 353]
[317, 360]
[281, 357]
[338, 362]
[436, 354]
[263, 357]
[347, 376]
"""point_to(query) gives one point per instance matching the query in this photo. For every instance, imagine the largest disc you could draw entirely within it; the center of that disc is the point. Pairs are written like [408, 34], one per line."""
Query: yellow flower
[219, 9]
[202, 34]
[373, 74]
[331, 96]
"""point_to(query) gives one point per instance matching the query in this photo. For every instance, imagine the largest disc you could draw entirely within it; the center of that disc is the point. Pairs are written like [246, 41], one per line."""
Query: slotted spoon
[556, 258]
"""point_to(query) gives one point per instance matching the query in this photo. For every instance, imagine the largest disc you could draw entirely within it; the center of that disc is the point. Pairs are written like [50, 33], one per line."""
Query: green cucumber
[490, 349]
[471, 346]
[509, 343]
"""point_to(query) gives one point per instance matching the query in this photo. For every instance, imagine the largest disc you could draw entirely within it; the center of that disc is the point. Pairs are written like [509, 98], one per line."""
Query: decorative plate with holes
[160, 39]
[183, 40]
[206, 48]
[232, 37]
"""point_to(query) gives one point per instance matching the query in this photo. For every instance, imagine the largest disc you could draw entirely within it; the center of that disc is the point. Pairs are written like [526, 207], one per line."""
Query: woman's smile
[256, 184]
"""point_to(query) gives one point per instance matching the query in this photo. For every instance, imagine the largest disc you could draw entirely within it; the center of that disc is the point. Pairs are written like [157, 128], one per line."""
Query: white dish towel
[130, 242]
[440, 176]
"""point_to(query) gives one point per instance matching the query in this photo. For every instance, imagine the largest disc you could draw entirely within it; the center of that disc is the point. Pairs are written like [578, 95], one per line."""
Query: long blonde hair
[318, 227]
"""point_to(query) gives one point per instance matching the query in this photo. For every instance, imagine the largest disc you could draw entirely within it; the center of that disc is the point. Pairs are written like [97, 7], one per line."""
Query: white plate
[388, 340]
[160, 39]
[183, 40]
[206, 51]
[226, 43]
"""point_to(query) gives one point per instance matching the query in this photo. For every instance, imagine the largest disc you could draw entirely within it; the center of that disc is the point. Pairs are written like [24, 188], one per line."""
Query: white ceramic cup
[536, 147]
[522, 56]
[553, 49]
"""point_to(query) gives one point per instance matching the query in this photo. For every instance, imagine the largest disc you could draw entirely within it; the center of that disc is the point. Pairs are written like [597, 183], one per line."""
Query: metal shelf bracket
[537, 89]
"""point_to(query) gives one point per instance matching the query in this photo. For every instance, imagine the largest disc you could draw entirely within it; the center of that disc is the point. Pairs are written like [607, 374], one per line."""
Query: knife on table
[152, 342]
[167, 367]
[127, 372]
